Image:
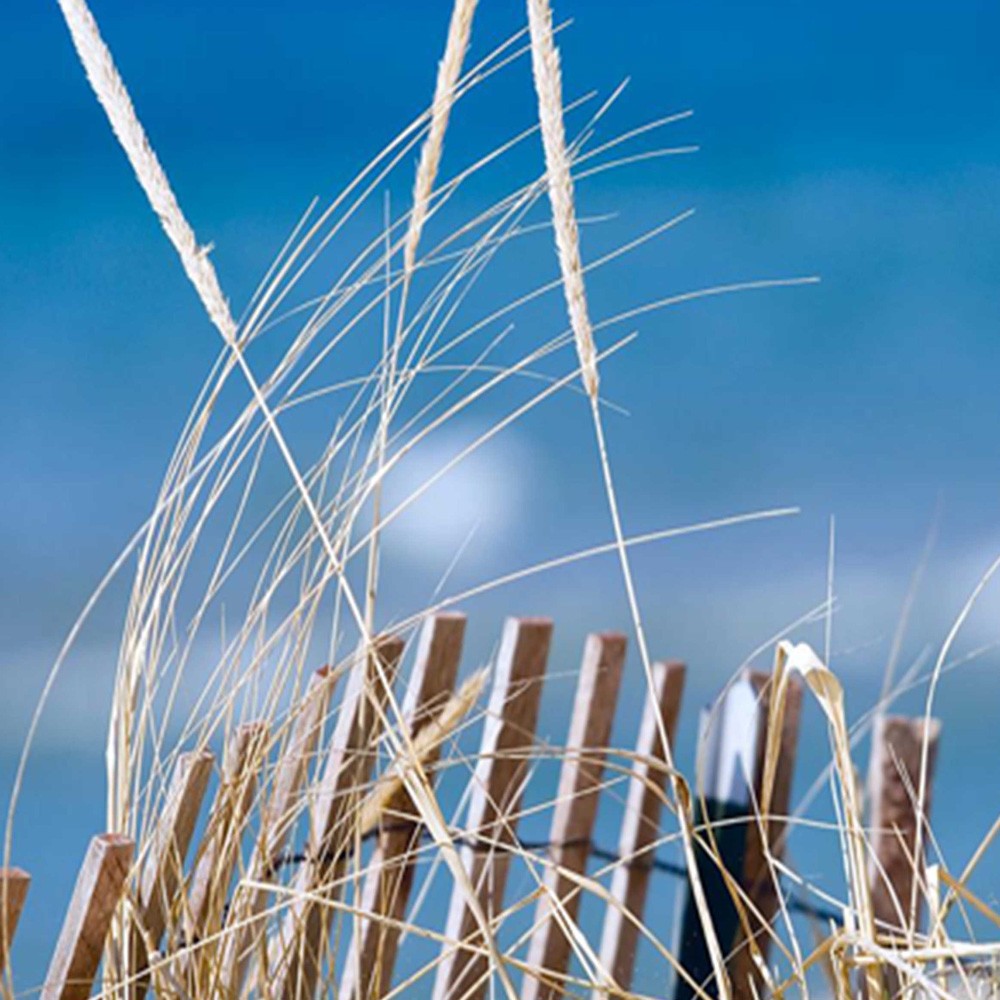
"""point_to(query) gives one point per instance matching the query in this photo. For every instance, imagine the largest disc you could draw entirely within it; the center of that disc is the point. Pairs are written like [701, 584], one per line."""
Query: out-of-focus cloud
[469, 512]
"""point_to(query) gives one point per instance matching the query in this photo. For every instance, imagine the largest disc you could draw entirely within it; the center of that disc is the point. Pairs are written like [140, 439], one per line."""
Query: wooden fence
[226, 902]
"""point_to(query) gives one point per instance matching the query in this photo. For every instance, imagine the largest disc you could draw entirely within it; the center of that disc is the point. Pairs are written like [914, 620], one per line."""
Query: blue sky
[859, 143]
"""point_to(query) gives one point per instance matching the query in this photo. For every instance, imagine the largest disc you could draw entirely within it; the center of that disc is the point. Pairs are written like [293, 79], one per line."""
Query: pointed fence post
[575, 811]
[765, 835]
[371, 956]
[893, 784]
[300, 945]
[216, 860]
[99, 888]
[277, 820]
[14, 885]
[640, 826]
[495, 801]
[727, 747]
[162, 872]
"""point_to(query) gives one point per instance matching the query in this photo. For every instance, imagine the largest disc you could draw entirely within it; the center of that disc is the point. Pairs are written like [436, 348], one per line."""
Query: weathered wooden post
[99, 888]
[14, 885]
[893, 784]
[371, 956]
[640, 826]
[727, 747]
[575, 810]
[301, 943]
[496, 797]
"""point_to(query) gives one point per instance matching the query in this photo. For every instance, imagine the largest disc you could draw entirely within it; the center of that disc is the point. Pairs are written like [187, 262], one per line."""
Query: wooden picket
[765, 836]
[893, 783]
[99, 888]
[299, 949]
[575, 811]
[162, 874]
[14, 883]
[495, 801]
[278, 817]
[371, 956]
[640, 826]
[233, 800]
[202, 908]
[218, 855]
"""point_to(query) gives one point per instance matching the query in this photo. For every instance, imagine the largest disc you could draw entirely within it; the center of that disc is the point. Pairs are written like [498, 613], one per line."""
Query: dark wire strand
[652, 863]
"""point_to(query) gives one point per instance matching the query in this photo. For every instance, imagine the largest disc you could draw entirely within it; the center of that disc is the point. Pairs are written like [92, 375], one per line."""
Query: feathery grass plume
[459, 30]
[548, 84]
[449, 71]
[111, 92]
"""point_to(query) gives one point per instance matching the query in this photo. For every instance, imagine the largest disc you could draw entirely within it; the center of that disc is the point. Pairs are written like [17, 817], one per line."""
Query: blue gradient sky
[859, 142]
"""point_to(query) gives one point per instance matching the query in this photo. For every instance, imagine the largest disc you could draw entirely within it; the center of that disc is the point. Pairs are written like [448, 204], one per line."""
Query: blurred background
[856, 142]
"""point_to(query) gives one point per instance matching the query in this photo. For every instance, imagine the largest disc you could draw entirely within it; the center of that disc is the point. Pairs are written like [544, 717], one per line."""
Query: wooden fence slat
[162, 873]
[893, 782]
[495, 800]
[640, 825]
[14, 883]
[575, 810]
[293, 768]
[728, 736]
[277, 821]
[300, 945]
[99, 888]
[758, 878]
[213, 871]
[371, 956]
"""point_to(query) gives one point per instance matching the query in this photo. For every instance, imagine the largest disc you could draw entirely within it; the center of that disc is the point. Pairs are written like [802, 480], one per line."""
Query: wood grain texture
[277, 820]
[162, 870]
[575, 809]
[286, 797]
[893, 783]
[99, 888]
[14, 884]
[299, 947]
[495, 800]
[371, 956]
[213, 871]
[758, 879]
[640, 824]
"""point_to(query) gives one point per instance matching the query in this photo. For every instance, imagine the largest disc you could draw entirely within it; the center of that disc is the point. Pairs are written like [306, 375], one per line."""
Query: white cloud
[483, 496]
